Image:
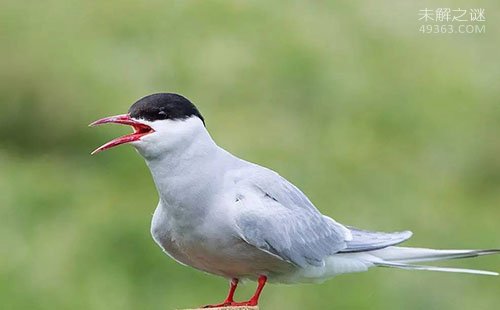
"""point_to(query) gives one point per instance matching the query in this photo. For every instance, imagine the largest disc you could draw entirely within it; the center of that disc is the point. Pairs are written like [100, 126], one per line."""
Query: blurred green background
[382, 126]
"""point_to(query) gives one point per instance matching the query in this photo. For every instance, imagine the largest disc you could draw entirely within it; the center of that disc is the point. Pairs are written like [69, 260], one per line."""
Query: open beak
[140, 130]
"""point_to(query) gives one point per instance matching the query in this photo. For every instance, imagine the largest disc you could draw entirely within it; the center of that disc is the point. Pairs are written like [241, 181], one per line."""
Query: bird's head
[162, 122]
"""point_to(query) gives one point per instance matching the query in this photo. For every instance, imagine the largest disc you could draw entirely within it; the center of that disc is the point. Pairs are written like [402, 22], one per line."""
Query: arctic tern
[235, 219]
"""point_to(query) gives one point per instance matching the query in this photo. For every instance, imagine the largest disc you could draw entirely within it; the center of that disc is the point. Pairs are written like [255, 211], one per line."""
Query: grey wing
[364, 240]
[276, 217]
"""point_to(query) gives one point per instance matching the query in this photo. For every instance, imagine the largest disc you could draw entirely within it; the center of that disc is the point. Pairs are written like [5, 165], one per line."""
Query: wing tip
[407, 233]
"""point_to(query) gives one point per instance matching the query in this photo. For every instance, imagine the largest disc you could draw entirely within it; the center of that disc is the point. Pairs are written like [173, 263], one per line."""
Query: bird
[232, 218]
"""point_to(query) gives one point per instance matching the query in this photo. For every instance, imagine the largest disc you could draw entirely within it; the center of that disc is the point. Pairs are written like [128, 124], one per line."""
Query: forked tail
[403, 257]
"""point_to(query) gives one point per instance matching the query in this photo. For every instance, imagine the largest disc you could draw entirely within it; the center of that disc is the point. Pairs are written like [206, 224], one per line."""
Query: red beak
[140, 130]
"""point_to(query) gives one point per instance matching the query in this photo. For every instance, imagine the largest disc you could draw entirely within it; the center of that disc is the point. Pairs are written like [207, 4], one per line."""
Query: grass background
[383, 127]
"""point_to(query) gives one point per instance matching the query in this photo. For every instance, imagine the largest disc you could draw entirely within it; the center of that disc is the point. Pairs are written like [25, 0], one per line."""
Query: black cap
[164, 106]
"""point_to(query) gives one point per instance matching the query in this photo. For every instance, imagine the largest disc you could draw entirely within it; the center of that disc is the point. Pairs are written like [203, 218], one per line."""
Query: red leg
[252, 302]
[229, 299]
[232, 288]
[255, 298]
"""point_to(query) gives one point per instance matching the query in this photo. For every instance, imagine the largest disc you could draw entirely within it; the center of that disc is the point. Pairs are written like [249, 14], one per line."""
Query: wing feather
[364, 240]
[276, 217]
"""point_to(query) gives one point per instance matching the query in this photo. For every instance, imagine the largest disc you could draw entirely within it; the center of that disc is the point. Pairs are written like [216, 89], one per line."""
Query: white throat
[185, 172]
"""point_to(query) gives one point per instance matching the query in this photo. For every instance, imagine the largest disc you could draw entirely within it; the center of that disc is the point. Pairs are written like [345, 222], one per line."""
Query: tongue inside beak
[140, 130]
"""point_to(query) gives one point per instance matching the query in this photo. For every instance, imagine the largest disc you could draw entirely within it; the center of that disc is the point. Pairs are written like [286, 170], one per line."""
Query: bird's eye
[162, 113]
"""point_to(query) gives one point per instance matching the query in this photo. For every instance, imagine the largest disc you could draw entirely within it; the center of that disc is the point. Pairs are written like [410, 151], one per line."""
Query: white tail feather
[400, 257]
[434, 268]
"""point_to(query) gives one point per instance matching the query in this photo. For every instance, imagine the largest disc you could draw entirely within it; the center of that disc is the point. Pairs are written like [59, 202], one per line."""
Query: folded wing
[278, 218]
